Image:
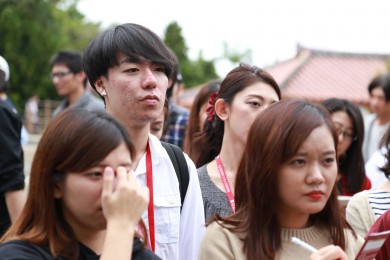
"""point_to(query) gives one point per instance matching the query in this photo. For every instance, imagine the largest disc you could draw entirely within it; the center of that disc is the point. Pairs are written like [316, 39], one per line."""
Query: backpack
[181, 168]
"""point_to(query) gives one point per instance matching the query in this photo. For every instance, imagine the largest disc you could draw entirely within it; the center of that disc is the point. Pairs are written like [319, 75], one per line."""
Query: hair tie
[210, 108]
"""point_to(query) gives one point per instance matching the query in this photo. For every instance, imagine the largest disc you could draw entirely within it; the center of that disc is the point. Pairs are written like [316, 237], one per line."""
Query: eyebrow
[123, 165]
[330, 152]
[259, 97]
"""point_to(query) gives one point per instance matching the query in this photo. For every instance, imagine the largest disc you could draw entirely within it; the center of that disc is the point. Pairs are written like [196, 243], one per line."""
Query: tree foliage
[31, 31]
[201, 70]
[194, 72]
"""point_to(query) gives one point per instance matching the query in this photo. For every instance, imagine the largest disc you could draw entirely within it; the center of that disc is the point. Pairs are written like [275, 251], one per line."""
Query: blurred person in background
[12, 196]
[197, 117]
[178, 115]
[348, 121]
[159, 126]
[367, 206]
[32, 114]
[69, 79]
[377, 123]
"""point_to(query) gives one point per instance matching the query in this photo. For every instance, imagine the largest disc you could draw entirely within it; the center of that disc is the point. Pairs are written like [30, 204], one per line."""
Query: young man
[69, 79]
[377, 123]
[12, 196]
[130, 68]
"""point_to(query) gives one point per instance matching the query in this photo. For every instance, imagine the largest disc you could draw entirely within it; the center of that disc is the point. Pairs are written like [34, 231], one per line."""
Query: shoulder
[19, 249]
[358, 199]
[220, 243]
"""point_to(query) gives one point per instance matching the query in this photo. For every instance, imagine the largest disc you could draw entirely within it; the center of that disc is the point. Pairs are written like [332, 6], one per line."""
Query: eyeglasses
[348, 135]
[60, 74]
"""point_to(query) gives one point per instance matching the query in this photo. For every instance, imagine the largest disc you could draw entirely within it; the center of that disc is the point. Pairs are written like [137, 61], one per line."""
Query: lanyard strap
[225, 182]
[149, 183]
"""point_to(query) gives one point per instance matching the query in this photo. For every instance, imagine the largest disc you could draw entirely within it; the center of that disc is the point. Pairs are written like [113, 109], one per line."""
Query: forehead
[59, 67]
[378, 91]
[259, 89]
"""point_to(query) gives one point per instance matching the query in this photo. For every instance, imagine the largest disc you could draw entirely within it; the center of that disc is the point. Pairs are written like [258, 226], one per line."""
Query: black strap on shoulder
[181, 168]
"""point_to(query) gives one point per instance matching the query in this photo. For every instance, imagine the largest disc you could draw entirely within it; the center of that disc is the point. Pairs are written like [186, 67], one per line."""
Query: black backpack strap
[181, 168]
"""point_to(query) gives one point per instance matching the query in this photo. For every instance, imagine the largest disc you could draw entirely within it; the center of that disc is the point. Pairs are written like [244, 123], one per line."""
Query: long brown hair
[193, 128]
[210, 141]
[74, 141]
[274, 138]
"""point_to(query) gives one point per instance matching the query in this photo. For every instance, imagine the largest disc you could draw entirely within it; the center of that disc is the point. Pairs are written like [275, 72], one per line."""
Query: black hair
[71, 58]
[136, 42]
[381, 81]
[352, 164]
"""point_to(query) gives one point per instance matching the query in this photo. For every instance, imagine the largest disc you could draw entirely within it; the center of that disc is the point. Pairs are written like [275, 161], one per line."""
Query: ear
[99, 84]
[222, 109]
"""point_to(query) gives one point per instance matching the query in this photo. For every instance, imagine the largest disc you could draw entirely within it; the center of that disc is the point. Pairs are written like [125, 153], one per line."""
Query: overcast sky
[270, 29]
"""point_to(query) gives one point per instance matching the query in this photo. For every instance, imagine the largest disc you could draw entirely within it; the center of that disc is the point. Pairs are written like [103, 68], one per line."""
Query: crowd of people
[110, 180]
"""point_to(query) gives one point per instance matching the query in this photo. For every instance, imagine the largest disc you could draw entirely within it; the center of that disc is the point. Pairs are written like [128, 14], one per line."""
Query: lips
[315, 195]
[150, 97]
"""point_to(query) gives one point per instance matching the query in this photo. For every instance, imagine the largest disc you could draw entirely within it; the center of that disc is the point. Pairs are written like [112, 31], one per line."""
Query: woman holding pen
[285, 187]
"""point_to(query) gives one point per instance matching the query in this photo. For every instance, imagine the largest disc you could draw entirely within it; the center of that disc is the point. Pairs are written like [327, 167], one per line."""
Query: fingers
[108, 181]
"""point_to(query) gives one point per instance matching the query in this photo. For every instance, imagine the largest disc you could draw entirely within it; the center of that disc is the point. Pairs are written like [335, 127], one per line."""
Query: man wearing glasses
[69, 79]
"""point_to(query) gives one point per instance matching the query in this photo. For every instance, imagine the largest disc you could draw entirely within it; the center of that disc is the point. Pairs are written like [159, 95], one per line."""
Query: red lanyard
[149, 183]
[225, 182]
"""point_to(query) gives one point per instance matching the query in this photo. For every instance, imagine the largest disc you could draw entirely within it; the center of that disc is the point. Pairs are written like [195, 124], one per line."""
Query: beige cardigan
[219, 243]
[359, 213]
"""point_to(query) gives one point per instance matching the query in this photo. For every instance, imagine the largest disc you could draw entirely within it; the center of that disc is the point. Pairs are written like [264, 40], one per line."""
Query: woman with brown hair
[285, 187]
[83, 199]
[244, 93]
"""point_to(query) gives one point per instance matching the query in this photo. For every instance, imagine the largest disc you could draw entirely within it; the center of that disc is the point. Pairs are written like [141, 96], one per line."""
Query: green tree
[201, 70]
[31, 31]
[194, 72]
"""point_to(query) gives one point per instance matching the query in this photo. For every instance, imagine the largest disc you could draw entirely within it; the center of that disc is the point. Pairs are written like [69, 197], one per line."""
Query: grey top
[214, 200]
[87, 101]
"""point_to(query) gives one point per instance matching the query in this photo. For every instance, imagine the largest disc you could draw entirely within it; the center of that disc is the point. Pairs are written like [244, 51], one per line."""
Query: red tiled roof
[318, 75]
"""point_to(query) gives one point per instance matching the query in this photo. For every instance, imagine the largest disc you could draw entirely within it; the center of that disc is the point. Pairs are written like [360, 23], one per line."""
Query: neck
[385, 186]
[92, 239]
[3, 96]
[383, 118]
[293, 221]
[231, 153]
[75, 96]
[139, 138]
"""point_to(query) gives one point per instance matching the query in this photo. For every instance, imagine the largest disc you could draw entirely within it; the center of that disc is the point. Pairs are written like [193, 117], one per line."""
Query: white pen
[302, 244]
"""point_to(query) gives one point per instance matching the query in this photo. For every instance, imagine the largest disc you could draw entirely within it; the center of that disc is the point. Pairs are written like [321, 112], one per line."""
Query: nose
[149, 80]
[315, 175]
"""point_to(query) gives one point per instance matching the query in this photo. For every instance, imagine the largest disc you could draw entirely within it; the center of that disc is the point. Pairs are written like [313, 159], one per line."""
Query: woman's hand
[123, 199]
[330, 252]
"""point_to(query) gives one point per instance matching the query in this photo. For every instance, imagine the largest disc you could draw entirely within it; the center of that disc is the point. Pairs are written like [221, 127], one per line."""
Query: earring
[103, 93]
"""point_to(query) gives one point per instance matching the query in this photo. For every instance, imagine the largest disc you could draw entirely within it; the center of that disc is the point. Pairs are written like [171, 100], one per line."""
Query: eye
[298, 162]
[131, 70]
[94, 175]
[160, 69]
[254, 104]
[329, 160]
